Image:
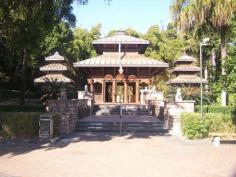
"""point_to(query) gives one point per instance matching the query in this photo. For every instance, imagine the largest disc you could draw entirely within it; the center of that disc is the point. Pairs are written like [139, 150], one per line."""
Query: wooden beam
[113, 91]
[125, 92]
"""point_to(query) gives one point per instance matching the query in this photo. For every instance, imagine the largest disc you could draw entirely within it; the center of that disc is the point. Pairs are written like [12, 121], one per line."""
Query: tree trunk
[223, 48]
[22, 97]
[223, 58]
[213, 57]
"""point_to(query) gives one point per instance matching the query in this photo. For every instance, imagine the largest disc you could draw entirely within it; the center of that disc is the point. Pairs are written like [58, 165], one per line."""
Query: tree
[153, 35]
[82, 47]
[59, 39]
[24, 24]
[200, 14]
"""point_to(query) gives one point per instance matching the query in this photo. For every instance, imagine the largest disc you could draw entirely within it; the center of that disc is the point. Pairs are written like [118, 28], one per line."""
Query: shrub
[194, 127]
[216, 109]
[220, 123]
[19, 124]
[22, 108]
[13, 94]
[23, 124]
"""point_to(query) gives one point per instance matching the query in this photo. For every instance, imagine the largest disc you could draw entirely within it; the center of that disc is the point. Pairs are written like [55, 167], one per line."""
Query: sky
[122, 14]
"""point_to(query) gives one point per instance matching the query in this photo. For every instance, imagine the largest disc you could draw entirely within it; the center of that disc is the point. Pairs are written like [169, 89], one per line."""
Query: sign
[45, 126]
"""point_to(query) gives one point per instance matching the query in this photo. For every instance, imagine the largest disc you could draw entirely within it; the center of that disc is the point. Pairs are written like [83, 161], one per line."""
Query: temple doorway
[120, 92]
[108, 91]
[131, 92]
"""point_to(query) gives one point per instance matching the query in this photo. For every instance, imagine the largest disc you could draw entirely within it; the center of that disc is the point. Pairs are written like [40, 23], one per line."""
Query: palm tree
[197, 14]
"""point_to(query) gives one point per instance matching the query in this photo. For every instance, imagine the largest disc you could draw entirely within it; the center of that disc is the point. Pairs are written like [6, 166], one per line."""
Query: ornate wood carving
[120, 77]
[131, 78]
[90, 81]
[108, 77]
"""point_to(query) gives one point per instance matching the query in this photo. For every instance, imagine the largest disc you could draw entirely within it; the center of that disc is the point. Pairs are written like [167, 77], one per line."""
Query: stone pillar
[223, 98]
[125, 92]
[113, 91]
[174, 111]
[137, 91]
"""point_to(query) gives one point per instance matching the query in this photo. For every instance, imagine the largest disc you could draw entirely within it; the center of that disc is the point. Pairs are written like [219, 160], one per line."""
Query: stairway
[115, 110]
[152, 127]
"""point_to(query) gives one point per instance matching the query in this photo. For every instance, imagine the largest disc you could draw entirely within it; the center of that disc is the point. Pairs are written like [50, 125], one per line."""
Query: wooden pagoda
[57, 70]
[120, 70]
[186, 72]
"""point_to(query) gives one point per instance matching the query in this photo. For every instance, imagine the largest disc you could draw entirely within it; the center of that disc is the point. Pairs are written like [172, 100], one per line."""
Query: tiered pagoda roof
[186, 71]
[129, 59]
[132, 53]
[55, 69]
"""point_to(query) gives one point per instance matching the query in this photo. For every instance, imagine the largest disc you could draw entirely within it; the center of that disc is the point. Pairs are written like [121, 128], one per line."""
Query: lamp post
[120, 72]
[203, 43]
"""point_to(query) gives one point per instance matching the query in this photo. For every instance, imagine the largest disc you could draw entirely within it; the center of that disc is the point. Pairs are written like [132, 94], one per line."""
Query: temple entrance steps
[114, 109]
[129, 124]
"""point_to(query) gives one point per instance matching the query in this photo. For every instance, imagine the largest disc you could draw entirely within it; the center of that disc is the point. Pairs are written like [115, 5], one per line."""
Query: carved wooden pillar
[113, 91]
[125, 92]
[91, 88]
[103, 93]
[137, 91]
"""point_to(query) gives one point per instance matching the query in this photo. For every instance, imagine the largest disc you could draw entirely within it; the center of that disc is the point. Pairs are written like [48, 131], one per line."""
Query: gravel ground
[110, 155]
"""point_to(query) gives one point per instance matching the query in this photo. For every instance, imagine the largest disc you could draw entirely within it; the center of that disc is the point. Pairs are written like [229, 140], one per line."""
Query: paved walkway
[110, 155]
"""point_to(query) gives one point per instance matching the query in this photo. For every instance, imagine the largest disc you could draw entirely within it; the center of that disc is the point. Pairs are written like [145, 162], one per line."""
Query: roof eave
[123, 42]
[118, 65]
[53, 69]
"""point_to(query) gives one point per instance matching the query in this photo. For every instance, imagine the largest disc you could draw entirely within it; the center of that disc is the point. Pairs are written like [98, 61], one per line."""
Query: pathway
[110, 155]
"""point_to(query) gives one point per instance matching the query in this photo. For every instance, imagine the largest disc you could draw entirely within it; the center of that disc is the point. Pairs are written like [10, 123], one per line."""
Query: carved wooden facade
[104, 79]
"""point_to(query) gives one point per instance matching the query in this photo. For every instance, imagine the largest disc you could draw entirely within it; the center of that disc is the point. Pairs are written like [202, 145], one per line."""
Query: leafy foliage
[217, 109]
[194, 127]
[192, 93]
[82, 47]
[19, 124]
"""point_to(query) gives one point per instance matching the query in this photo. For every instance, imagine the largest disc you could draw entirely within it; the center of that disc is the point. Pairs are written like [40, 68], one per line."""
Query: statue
[178, 96]
[153, 88]
[86, 88]
[63, 95]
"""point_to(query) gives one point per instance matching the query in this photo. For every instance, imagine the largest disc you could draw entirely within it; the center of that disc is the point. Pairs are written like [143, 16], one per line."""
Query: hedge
[9, 94]
[216, 109]
[22, 124]
[22, 108]
[194, 127]
[19, 124]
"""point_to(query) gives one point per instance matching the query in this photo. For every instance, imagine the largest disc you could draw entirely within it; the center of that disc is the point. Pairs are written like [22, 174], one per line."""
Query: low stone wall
[69, 111]
[156, 108]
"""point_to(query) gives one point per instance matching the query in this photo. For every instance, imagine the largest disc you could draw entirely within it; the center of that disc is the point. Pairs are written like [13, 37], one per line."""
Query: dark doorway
[108, 91]
[131, 92]
[120, 92]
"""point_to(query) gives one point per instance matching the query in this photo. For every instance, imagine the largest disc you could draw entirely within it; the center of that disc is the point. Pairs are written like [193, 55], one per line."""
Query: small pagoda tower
[186, 72]
[57, 70]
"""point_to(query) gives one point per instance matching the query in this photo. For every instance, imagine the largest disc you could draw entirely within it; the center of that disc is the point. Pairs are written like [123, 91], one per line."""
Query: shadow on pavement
[21, 146]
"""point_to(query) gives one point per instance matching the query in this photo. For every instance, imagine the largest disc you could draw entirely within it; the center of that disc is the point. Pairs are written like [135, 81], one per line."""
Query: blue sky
[122, 14]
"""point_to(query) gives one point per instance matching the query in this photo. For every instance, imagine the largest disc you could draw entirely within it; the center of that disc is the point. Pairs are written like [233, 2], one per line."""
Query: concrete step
[158, 127]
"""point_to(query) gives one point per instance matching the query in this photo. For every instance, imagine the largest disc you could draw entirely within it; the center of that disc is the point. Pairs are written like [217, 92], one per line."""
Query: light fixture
[121, 70]
[205, 42]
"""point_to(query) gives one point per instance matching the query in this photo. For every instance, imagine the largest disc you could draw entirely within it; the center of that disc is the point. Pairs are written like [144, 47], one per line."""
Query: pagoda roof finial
[185, 58]
[55, 57]
[120, 32]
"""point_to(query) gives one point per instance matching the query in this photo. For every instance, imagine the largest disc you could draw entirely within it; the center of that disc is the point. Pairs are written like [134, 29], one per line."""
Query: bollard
[216, 141]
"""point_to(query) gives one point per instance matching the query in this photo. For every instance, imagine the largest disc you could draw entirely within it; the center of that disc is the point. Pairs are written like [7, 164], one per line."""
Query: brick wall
[69, 111]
